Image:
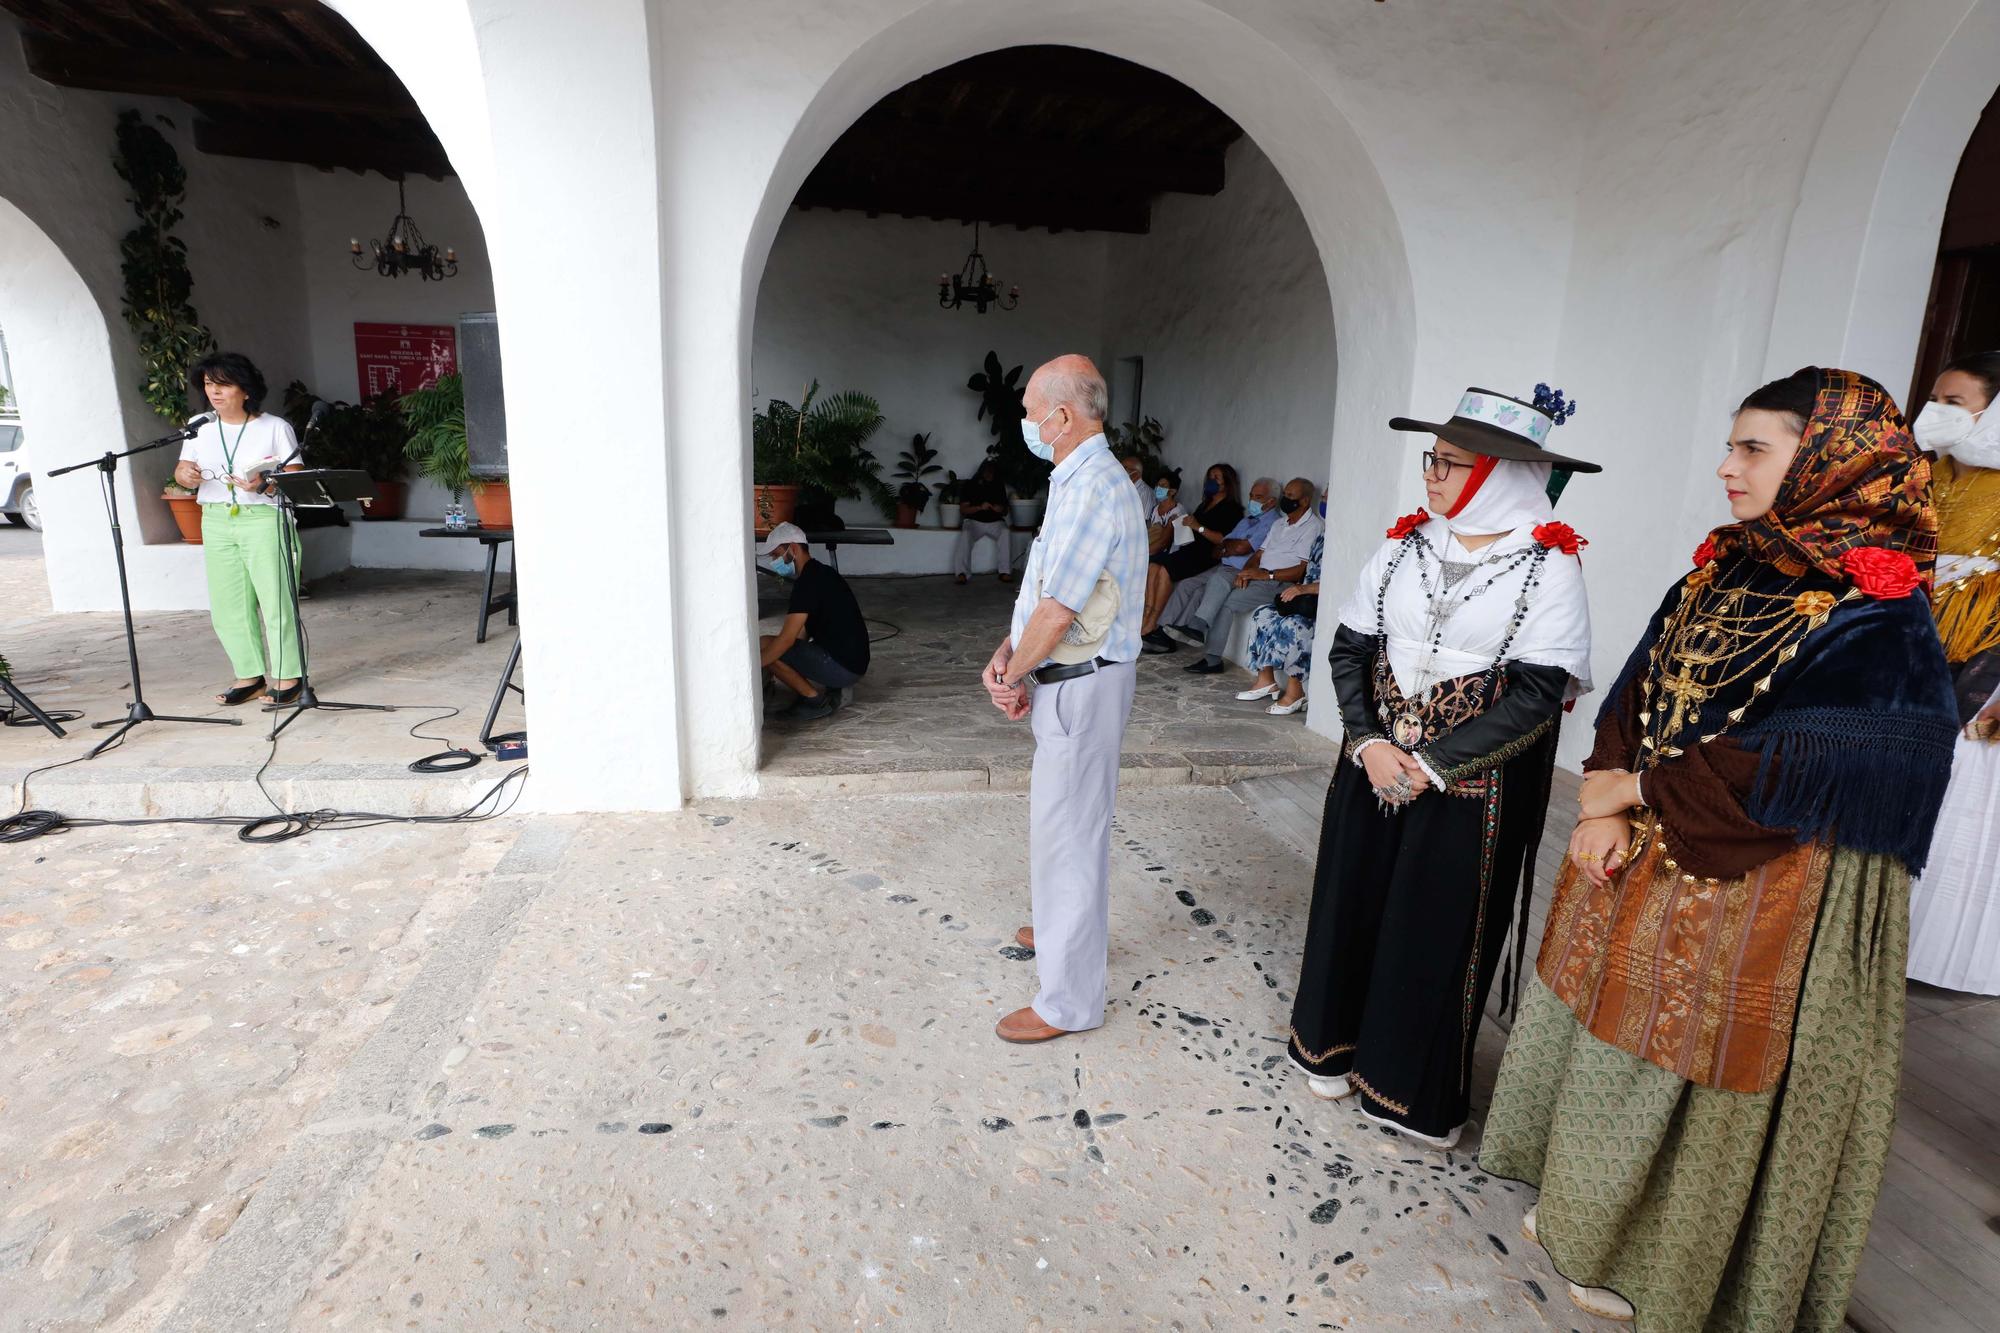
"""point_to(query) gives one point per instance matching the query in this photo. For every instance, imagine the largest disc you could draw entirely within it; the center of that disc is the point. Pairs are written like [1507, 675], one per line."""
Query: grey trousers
[1237, 602]
[1079, 725]
[1198, 599]
[969, 535]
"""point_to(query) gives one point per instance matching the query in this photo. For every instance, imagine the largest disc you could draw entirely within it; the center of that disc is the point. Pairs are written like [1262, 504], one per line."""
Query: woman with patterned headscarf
[1702, 1079]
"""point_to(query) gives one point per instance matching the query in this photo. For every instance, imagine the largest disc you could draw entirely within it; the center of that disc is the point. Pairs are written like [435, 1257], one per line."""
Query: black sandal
[240, 694]
[282, 697]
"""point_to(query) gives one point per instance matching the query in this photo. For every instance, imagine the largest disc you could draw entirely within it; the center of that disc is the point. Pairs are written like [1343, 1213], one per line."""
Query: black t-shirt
[1219, 515]
[976, 492]
[833, 617]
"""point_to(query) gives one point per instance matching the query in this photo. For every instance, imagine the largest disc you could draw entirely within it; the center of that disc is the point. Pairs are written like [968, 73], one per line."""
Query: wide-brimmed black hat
[1498, 426]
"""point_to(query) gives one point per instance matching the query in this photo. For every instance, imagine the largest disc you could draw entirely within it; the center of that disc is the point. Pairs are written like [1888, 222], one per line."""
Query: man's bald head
[1070, 398]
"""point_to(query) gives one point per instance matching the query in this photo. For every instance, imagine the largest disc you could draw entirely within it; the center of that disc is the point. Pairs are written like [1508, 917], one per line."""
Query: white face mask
[1940, 426]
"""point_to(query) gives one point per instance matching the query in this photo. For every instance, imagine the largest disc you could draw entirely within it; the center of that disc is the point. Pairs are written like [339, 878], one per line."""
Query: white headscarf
[1514, 496]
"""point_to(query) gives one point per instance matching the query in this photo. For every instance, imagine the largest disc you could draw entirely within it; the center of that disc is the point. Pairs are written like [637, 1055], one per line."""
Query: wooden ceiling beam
[995, 207]
[316, 143]
[901, 148]
[195, 78]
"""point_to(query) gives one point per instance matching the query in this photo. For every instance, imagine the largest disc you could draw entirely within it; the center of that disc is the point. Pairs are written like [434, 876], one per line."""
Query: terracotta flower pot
[774, 505]
[906, 515]
[390, 497]
[494, 503]
[187, 513]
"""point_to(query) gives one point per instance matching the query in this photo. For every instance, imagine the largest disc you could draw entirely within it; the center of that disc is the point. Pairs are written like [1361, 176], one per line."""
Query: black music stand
[313, 488]
[138, 711]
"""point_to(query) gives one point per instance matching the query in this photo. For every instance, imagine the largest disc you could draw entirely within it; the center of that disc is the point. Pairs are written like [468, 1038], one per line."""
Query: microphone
[193, 428]
[320, 408]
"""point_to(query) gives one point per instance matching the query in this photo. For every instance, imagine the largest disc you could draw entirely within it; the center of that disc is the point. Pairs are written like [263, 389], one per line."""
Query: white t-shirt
[267, 442]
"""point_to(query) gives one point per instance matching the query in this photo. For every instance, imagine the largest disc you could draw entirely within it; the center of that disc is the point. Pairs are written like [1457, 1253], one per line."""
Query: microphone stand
[315, 489]
[138, 711]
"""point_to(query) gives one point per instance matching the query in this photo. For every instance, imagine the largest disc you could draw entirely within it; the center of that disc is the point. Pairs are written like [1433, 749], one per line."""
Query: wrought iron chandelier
[974, 284]
[405, 251]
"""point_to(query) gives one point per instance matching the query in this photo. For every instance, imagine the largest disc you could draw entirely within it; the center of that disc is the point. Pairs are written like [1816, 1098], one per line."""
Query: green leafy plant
[949, 491]
[158, 287]
[820, 446]
[435, 417]
[1001, 395]
[370, 436]
[175, 488]
[5, 670]
[917, 462]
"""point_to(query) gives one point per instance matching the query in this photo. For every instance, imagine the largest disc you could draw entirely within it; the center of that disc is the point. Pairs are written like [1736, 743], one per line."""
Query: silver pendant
[1408, 731]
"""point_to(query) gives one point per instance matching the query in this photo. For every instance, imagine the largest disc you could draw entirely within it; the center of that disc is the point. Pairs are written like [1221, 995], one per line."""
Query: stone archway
[1296, 122]
[1857, 267]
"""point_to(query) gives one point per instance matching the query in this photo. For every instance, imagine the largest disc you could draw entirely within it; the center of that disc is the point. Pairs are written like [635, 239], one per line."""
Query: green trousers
[248, 596]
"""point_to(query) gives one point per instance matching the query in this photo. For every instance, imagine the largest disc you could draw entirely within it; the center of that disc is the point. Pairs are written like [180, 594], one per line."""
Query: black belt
[1049, 675]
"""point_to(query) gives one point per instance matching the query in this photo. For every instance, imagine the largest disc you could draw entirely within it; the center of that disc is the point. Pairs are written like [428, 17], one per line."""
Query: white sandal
[1256, 692]
[1286, 710]
[1332, 1089]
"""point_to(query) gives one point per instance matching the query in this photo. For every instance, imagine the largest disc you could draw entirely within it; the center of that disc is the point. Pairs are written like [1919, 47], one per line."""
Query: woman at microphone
[228, 463]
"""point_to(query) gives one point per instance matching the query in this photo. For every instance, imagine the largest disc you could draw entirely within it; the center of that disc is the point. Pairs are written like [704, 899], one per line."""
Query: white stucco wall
[1226, 301]
[851, 301]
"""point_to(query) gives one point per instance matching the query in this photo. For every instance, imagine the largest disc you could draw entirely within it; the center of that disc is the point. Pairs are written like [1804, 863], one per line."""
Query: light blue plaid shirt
[1095, 522]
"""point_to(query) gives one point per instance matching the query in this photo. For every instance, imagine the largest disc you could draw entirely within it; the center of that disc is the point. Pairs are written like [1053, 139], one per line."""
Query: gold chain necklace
[1715, 638]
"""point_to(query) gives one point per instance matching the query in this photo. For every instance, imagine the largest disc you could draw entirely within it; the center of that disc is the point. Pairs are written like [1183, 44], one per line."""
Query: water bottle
[454, 516]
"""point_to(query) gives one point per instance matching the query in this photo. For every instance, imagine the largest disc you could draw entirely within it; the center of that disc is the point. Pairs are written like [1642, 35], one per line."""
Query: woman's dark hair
[1170, 477]
[1231, 488]
[228, 368]
[988, 470]
[1795, 396]
[1982, 366]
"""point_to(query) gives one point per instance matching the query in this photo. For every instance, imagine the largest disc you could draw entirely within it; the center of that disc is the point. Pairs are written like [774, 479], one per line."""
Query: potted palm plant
[814, 454]
[435, 416]
[917, 462]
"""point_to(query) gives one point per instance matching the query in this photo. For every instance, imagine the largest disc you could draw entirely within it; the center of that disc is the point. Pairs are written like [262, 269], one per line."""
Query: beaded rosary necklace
[1408, 727]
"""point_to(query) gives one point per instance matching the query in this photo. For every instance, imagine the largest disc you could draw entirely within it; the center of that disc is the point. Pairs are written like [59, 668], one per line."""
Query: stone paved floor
[920, 720]
[730, 1068]
[393, 637]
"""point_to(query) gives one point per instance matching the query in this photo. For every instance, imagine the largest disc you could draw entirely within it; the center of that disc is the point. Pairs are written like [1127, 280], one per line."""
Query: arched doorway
[1133, 221]
[1293, 119]
[1963, 314]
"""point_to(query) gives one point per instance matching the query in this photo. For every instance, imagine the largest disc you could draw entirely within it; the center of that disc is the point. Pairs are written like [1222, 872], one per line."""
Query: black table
[833, 541]
[491, 539]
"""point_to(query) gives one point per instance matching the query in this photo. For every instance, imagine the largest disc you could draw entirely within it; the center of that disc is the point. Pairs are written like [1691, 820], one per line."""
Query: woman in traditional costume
[1452, 660]
[1702, 1078]
[1955, 906]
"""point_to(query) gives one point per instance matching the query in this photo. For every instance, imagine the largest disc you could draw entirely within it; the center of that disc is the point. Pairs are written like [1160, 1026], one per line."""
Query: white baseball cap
[785, 534]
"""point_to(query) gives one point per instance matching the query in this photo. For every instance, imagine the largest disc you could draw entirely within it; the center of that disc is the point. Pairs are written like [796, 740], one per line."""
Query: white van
[17, 480]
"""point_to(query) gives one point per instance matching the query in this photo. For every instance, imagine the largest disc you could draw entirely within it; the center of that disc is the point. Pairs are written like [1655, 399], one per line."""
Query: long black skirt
[1409, 923]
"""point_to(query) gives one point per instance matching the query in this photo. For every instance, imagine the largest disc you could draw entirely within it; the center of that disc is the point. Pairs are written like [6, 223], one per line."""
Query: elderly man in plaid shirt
[1094, 526]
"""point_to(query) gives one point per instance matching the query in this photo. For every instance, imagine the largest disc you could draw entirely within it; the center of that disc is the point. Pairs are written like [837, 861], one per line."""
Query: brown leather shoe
[1025, 937]
[1025, 1025]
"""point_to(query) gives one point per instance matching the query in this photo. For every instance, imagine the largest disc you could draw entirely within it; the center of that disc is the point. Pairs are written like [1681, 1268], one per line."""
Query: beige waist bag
[1086, 634]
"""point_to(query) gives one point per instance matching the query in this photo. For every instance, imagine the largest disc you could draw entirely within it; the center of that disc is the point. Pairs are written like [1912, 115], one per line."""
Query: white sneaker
[1602, 1302]
[1330, 1089]
[1256, 692]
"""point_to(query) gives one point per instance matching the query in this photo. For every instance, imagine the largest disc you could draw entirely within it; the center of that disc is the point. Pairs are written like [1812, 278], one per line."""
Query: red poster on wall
[401, 358]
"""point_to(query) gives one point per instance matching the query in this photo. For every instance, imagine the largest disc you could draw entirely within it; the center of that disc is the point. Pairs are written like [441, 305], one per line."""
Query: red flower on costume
[1560, 537]
[1880, 572]
[1408, 524]
[1704, 553]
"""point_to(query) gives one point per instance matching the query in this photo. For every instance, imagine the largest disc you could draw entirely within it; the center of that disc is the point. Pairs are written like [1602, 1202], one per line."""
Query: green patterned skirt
[1714, 1210]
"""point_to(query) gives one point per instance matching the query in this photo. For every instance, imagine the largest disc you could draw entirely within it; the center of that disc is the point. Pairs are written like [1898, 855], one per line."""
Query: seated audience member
[822, 647]
[1282, 643]
[1280, 559]
[983, 513]
[1135, 468]
[1164, 512]
[1232, 550]
[1196, 549]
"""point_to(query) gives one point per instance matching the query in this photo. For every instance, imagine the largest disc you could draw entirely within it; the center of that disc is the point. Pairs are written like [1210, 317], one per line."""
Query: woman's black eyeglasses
[1433, 461]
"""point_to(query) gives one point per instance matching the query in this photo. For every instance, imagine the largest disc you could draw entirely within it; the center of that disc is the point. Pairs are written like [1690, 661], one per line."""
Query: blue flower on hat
[1552, 402]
